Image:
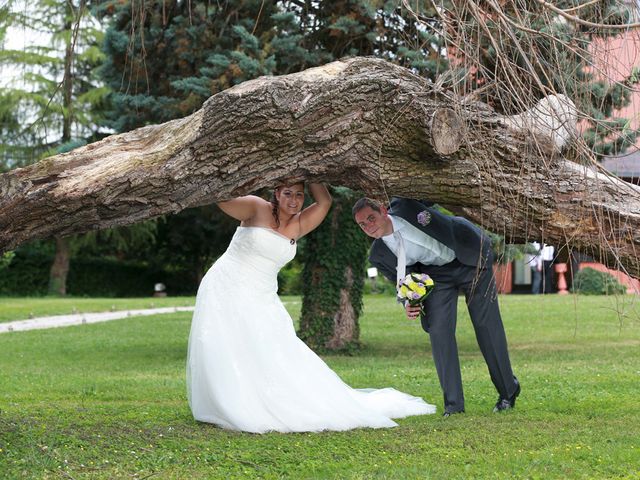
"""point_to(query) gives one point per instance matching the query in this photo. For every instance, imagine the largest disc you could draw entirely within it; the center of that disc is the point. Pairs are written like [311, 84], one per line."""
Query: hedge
[28, 275]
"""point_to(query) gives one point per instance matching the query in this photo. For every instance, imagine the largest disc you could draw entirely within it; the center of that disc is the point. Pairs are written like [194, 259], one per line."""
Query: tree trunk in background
[361, 123]
[62, 259]
[60, 267]
[346, 330]
[333, 279]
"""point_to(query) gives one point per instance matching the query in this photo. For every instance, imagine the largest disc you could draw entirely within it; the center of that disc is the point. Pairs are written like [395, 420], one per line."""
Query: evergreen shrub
[109, 278]
[26, 275]
[589, 281]
[104, 277]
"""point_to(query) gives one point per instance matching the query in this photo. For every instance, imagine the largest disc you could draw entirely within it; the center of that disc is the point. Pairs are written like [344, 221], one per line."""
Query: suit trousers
[439, 320]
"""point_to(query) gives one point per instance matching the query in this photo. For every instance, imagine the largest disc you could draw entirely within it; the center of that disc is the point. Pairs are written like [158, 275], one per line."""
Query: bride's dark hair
[274, 206]
[274, 200]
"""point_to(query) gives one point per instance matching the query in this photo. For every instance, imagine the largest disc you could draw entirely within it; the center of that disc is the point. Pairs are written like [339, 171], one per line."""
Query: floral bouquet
[415, 287]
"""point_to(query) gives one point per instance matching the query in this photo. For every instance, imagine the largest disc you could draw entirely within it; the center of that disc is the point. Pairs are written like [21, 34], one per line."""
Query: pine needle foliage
[40, 114]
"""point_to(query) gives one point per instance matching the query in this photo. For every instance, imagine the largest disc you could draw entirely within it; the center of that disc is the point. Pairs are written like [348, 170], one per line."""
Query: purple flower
[424, 218]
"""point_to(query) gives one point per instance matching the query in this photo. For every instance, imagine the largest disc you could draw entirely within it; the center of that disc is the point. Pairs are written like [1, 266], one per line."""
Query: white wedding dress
[246, 368]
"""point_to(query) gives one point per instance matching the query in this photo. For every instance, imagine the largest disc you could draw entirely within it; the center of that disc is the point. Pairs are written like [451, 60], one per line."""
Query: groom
[414, 237]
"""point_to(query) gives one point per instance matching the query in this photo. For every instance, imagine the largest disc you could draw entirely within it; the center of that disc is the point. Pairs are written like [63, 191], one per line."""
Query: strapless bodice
[261, 249]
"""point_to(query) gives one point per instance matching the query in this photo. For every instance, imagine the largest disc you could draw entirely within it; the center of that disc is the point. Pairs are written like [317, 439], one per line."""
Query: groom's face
[375, 224]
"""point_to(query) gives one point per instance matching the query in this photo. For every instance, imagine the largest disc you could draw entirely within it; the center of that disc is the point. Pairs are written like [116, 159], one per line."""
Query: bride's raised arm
[313, 215]
[242, 208]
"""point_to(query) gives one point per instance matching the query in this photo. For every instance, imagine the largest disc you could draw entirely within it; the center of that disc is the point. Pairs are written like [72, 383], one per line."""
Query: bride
[246, 368]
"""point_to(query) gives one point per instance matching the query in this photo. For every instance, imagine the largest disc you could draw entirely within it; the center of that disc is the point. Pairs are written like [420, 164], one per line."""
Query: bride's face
[290, 198]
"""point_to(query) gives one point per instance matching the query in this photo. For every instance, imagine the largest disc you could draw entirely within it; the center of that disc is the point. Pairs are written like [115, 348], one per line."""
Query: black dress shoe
[448, 414]
[507, 403]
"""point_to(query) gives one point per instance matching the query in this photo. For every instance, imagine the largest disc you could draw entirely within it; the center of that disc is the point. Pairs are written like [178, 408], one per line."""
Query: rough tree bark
[362, 123]
[345, 320]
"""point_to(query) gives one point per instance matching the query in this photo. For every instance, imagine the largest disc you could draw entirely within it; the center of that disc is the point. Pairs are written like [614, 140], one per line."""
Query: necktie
[401, 268]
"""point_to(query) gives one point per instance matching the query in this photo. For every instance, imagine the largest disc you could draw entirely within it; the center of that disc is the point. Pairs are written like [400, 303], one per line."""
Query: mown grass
[20, 308]
[108, 401]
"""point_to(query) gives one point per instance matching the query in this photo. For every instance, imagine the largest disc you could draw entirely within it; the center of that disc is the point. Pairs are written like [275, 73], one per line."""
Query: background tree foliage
[513, 53]
[165, 58]
[53, 103]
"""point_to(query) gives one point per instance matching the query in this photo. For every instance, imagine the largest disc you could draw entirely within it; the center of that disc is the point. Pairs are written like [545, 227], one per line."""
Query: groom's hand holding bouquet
[413, 290]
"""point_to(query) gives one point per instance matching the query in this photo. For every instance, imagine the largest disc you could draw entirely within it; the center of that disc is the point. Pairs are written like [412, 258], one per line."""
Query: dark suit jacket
[470, 245]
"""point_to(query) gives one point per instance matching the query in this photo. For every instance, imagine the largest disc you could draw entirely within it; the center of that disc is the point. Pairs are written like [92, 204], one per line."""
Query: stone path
[82, 318]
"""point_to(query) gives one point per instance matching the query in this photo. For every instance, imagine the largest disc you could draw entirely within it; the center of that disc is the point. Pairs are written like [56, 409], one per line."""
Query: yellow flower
[420, 290]
[415, 287]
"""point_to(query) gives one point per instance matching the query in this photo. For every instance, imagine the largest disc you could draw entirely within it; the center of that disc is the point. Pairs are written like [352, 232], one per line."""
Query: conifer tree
[53, 102]
[165, 58]
[51, 97]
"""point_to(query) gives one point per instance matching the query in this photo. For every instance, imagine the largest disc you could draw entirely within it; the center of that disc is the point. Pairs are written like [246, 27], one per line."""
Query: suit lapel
[384, 259]
[381, 253]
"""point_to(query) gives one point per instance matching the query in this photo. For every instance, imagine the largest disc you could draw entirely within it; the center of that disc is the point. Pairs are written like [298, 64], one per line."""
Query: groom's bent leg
[440, 322]
[482, 301]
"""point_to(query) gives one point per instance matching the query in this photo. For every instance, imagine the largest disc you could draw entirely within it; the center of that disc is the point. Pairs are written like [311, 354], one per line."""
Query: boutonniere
[424, 218]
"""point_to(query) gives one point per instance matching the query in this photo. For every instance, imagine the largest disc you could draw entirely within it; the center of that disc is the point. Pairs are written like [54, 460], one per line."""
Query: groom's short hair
[365, 202]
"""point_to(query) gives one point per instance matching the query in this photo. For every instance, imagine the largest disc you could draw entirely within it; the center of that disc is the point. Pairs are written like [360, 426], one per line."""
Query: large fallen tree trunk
[362, 123]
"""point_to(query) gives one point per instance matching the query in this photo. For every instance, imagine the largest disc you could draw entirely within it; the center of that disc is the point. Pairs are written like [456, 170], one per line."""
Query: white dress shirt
[418, 246]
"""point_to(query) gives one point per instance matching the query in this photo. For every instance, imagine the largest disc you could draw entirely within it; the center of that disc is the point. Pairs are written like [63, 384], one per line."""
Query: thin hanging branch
[580, 21]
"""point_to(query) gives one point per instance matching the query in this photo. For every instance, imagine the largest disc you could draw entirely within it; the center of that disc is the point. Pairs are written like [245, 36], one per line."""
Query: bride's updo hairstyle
[274, 200]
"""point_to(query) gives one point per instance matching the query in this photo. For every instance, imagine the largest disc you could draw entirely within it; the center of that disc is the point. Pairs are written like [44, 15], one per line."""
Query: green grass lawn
[25, 308]
[108, 400]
